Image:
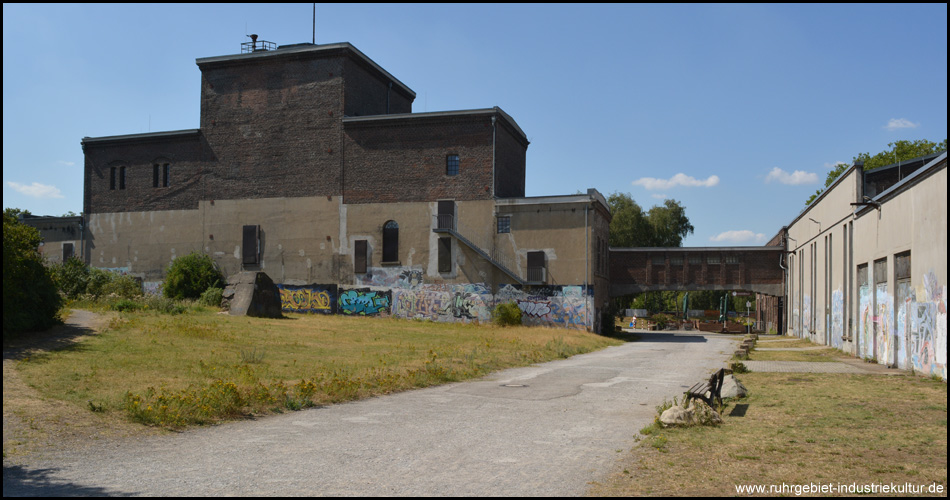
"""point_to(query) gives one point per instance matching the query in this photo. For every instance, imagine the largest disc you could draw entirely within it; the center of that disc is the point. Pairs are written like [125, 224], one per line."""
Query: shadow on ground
[22, 482]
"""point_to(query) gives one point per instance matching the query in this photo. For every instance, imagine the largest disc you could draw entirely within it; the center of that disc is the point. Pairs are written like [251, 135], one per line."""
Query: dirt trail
[33, 424]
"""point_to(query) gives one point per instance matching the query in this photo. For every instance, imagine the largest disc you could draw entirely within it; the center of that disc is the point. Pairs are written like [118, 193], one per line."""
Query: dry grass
[799, 429]
[175, 370]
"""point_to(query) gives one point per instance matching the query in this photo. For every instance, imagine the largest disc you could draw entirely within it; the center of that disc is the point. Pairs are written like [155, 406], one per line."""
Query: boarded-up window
[391, 241]
[359, 256]
[67, 251]
[902, 266]
[862, 275]
[251, 245]
[445, 255]
[880, 271]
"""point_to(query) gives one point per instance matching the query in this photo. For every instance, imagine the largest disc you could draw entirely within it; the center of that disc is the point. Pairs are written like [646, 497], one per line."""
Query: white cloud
[66, 163]
[677, 180]
[659, 196]
[898, 123]
[795, 178]
[742, 236]
[36, 190]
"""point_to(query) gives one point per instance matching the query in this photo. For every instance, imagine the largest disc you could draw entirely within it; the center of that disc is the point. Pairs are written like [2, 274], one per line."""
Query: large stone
[252, 293]
[732, 388]
[678, 415]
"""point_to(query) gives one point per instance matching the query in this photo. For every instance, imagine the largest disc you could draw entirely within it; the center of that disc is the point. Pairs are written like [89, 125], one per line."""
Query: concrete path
[547, 429]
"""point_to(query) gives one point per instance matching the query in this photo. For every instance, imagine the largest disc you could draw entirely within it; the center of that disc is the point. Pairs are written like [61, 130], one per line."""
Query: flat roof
[438, 114]
[303, 49]
[137, 137]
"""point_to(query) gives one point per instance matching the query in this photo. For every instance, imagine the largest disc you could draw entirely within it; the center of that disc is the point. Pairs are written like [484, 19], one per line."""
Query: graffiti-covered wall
[555, 306]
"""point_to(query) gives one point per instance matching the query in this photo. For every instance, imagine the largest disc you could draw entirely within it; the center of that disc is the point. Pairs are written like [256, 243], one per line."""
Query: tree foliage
[662, 226]
[899, 151]
[189, 276]
[30, 299]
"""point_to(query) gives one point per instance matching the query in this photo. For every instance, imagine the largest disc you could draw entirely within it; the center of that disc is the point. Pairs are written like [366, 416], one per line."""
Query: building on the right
[866, 266]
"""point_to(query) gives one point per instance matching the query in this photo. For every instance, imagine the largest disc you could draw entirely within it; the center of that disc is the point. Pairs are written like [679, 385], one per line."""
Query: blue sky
[736, 111]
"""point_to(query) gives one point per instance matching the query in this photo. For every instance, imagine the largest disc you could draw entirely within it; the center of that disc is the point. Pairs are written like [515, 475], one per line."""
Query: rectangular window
[155, 175]
[445, 255]
[251, 247]
[359, 256]
[712, 259]
[67, 251]
[504, 224]
[111, 177]
[121, 177]
[452, 165]
[676, 260]
[732, 259]
[658, 260]
[165, 174]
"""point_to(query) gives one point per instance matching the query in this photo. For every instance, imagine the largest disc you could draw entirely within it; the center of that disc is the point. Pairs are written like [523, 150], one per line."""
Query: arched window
[391, 241]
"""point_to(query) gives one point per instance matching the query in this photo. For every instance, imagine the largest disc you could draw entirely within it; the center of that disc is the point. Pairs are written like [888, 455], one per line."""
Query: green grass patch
[799, 429]
[198, 367]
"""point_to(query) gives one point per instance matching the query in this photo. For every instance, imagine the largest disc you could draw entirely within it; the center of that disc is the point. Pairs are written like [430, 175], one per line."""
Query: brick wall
[187, 155]
[404, 159]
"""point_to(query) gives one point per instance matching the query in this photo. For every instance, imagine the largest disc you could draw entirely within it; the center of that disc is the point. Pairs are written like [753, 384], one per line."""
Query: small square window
[452, 165]
[504, 224]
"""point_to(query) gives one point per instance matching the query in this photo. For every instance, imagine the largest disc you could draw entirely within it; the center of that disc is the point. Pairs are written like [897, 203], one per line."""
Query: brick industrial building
[310, 165]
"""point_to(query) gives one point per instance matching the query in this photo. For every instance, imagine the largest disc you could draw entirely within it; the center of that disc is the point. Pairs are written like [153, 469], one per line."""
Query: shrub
[71, 277]
[189, 276]
[126, 305]
[212, 297]
[30, 299]
[506, 314]
[661, 320]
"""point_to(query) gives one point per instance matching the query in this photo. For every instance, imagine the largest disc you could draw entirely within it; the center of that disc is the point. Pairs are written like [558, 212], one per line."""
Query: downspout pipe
[587, 259]
[493, 118]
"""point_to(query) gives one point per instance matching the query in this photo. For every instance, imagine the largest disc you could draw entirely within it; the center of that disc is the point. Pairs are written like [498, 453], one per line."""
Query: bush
[71, 277]
[212, 297]
[31, 301]
[661, 320]
[189, 276]
[126, 305]
[506, 314]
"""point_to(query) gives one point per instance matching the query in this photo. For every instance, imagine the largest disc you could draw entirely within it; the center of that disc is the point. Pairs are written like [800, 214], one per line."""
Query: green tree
[899, 151]
[30, 299]
[662, 226]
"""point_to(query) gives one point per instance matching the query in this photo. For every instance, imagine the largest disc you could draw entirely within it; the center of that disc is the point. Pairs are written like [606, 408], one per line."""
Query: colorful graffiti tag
[364, 302]
[883, 324]
[308, 298]
[837, 318]
[443, 303]
[865, 323]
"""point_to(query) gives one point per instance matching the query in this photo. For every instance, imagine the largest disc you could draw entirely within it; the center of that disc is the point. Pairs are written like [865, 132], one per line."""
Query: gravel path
[548, 429]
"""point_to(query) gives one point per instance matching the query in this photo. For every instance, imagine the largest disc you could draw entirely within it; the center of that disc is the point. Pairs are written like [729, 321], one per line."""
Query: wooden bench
[713, 386]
